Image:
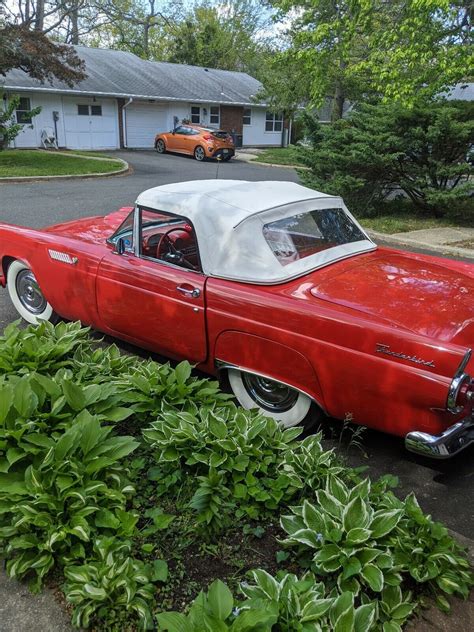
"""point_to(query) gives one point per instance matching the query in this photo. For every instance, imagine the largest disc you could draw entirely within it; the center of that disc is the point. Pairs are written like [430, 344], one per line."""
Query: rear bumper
[445, 445]
[224, 152]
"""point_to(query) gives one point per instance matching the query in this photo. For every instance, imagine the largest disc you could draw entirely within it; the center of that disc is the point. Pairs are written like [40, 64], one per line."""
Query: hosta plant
[240, 460]
[34, 407]
[424, 549]
[344, 538]
[152, 388]
[303, 605]
[44, 348]
[111, 581]
[75, 488]
[213, 611]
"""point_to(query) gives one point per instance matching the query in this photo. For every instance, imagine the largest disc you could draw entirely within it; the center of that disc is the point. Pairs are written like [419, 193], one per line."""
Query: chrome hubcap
[268, 394]
[29, 292]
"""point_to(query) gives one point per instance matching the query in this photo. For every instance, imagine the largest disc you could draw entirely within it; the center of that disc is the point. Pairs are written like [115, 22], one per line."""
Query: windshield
[308, 233]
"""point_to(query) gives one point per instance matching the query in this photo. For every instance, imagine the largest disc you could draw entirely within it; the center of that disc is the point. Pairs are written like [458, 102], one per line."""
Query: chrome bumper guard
[445, 445]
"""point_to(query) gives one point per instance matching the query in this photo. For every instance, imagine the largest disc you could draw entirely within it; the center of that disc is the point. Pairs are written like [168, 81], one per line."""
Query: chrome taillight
[461, 388]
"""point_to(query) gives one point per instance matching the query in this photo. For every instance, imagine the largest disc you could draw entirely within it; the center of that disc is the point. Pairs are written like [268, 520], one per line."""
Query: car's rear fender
[267, 358]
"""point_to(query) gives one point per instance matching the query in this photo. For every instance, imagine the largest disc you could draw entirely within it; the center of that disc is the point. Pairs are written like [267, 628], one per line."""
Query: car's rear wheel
[160, 146]
[227, 158]
[199, 153]
[274, 399]
[26, 295]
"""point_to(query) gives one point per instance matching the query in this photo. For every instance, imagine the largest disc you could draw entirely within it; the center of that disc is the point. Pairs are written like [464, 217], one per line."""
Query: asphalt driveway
[443, 488]
[40, 203]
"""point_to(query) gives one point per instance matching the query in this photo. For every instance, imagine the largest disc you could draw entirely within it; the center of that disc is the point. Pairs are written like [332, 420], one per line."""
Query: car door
[178, 140]
[153, 302]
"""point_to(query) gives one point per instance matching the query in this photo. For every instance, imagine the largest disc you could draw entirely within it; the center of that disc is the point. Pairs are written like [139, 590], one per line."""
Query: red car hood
[91, 229]
[423, 296]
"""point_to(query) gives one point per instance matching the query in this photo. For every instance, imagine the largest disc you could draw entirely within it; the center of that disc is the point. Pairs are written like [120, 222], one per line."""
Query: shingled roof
[117, 73]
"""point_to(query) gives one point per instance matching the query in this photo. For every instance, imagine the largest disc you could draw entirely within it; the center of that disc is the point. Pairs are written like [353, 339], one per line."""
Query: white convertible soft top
[228, 217]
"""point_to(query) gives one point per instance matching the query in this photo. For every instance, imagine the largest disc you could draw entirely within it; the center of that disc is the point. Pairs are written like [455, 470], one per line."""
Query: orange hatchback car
[197, 141]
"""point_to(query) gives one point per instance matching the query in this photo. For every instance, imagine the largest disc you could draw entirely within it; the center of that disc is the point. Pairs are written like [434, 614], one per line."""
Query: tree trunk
[39, 19]
[74, 25]
[337, 108]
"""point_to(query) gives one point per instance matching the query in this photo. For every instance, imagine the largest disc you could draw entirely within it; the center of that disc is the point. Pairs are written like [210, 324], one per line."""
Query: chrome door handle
[192, 293]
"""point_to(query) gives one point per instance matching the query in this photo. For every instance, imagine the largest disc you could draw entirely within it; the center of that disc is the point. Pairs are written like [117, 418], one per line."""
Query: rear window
[308, 233]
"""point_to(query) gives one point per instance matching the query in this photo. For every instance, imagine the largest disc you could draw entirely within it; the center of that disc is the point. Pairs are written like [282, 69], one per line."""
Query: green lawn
[280, 156]
[86, 152]
[402, 223]
[24, 163]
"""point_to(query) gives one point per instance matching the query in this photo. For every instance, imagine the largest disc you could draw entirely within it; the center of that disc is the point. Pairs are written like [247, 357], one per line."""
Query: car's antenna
[219, 158]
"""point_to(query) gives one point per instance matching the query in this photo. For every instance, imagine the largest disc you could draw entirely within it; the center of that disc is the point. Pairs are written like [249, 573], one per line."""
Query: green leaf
[74, 395]
[355, 515]
[217, 427]
[160, 571]
[364, 617]
[220, 600]
[358, 536]
[6, 401]
[373, 577]
[330, 504]
[173, 622]
[106, 519]
[351, 567]
[182, 372]
[384, 522]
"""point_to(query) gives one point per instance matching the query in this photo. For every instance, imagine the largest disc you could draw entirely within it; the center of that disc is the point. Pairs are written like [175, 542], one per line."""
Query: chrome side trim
[223, 365]
[458, 380]
[445, 445]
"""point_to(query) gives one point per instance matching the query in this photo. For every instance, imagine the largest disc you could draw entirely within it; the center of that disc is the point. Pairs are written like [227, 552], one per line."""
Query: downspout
[124, 122]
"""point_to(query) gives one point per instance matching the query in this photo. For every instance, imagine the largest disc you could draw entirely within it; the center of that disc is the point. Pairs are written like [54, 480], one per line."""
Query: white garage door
[143, 122]
[90, 124]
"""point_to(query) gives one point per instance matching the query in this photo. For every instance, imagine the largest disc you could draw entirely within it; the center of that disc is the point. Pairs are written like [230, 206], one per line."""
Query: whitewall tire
[273, 399]
[26, 295]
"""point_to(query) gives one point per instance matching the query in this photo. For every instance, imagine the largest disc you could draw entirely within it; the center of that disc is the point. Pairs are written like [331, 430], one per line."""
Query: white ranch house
[125, 101]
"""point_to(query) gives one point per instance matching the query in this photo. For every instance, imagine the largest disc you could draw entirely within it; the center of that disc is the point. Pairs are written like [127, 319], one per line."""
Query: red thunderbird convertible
[275, 288]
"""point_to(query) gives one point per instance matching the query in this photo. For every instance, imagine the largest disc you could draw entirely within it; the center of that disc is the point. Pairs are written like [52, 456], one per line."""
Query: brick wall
[231, 118]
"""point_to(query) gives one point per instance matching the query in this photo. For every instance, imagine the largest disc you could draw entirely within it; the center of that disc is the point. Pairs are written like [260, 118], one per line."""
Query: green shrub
[110, 583]
[213, 611]
[152, 388]
[346, 536]
[421, 151]
[45, 348]
[242, 463]
[70, 486]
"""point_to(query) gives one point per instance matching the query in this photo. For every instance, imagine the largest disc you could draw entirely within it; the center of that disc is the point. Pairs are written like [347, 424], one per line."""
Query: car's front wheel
[160, 146]
[199, 153]
[274, 399]
[26, 295]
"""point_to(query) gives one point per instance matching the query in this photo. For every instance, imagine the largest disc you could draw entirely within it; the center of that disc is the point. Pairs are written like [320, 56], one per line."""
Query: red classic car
[276, 288]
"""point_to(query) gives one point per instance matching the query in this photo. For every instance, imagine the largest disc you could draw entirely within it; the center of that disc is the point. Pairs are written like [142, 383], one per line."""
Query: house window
[195, 114]
[273, 122]
[96, 110]
[83, 110]
[215, 115]
[23, 111]
[247, 118]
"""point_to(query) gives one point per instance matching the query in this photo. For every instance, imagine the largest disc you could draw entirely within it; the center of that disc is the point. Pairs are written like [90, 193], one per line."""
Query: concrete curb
[407, 241]
[272, 164]
[124, 170]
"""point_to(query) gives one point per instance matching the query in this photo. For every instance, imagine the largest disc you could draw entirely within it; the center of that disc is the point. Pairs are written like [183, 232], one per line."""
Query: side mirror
[119, 246]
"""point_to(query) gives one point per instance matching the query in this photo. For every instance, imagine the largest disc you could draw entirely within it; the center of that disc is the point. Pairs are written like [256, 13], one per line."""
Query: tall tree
[399, 49]
[223, 35]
